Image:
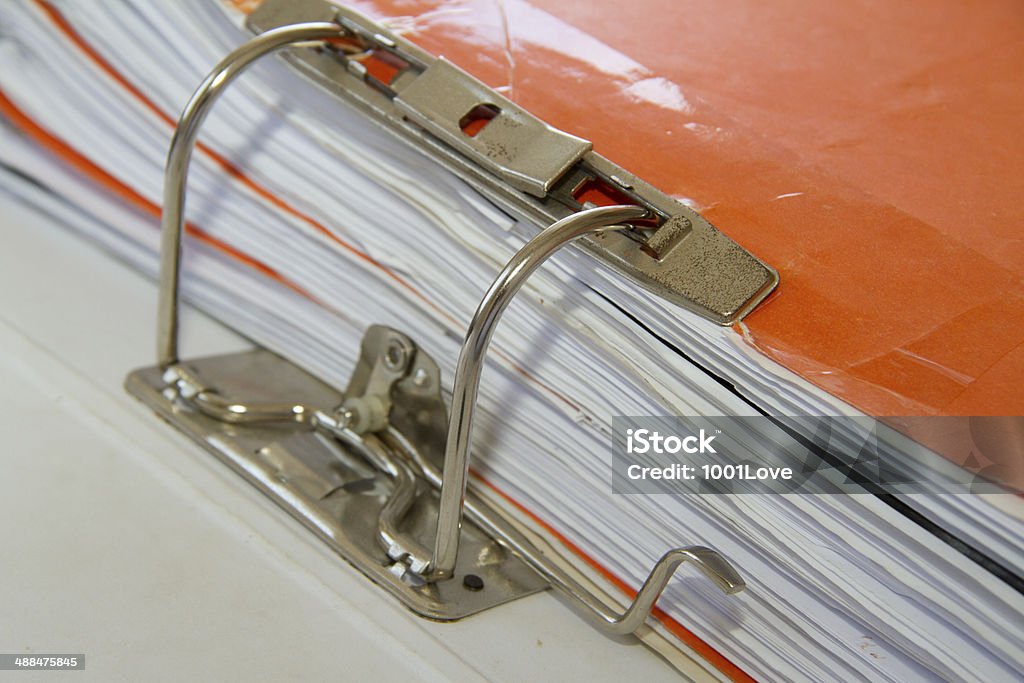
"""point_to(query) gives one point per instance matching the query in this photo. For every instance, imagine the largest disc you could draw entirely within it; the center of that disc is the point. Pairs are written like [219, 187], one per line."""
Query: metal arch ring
[454, 477]
[471, 362]
[172, 223]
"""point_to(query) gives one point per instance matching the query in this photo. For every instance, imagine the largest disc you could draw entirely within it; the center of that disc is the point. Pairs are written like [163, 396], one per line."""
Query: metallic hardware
[176, 171]
[349, 490]
[321, 454]
[471, 359]
[523, 150]
[522, 164]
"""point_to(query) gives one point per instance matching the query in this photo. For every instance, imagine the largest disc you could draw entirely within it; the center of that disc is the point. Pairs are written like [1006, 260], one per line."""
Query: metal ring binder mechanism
[380, 470]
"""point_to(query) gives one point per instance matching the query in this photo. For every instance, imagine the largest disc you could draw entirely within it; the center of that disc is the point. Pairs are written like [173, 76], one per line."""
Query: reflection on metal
[379, 471]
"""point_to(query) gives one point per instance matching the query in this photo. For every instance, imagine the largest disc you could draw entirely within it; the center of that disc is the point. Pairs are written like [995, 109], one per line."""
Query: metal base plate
[334, 493]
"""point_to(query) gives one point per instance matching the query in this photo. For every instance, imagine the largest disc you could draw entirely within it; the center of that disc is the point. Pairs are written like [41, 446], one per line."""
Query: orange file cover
[872, 152]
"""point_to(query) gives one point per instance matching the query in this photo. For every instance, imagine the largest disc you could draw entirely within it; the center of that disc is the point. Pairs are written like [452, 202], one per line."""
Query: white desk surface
[123, 541]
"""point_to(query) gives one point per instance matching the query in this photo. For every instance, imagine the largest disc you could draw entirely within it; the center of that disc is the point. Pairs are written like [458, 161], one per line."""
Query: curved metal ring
[452, 481]
[471, 362]
[172, 223]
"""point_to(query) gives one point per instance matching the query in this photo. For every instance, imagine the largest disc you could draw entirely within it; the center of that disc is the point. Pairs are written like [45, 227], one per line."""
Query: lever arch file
[392, 416]
[350, 202]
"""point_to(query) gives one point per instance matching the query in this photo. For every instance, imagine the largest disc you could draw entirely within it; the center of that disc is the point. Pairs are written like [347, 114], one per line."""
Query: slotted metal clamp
[537, 173]
[379, 471]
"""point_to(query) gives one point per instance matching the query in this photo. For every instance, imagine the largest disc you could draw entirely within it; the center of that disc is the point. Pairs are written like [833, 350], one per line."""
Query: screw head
[396, 356]
[347, 417]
